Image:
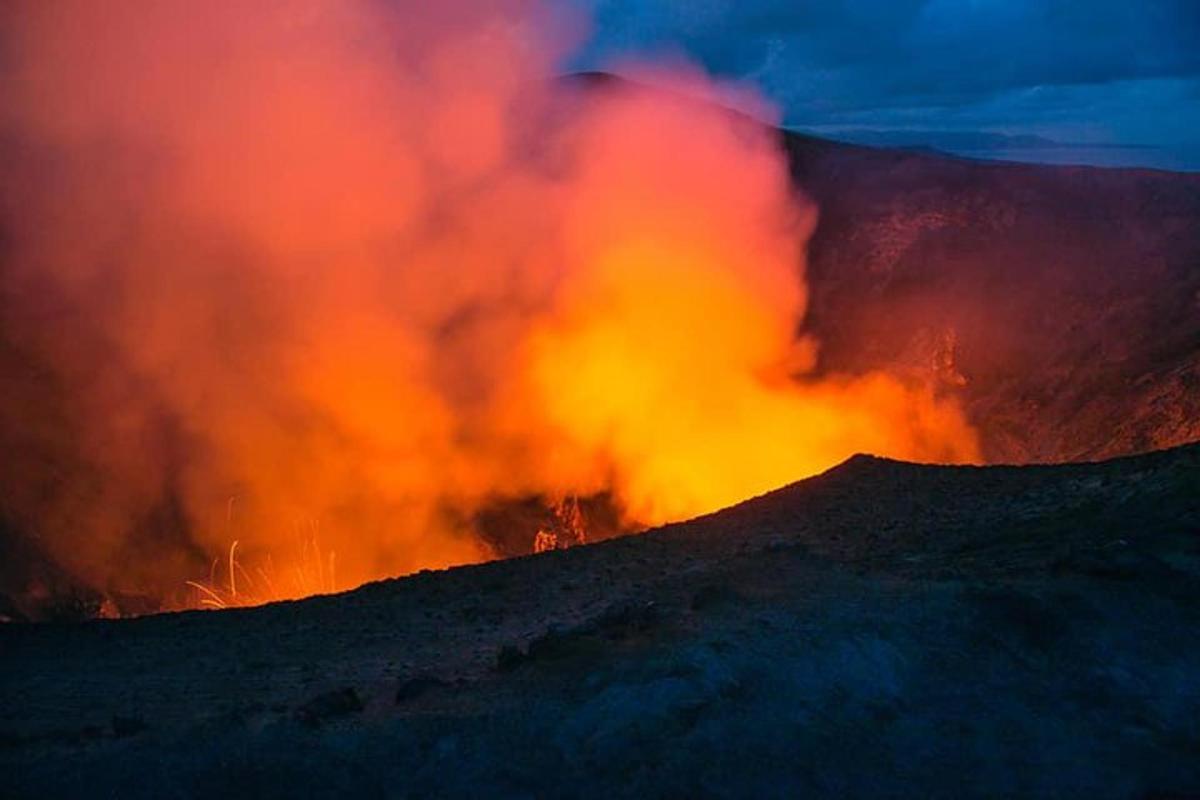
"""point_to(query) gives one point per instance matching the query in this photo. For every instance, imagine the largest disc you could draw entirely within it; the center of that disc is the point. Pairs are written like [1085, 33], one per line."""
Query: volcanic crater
[516, 366]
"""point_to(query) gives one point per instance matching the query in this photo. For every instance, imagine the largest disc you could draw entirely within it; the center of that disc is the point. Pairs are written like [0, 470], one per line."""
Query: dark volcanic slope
[1064, 302]
[884, 628]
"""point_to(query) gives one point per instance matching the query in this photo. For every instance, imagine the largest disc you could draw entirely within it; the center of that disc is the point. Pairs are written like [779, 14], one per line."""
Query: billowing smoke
[352, 270]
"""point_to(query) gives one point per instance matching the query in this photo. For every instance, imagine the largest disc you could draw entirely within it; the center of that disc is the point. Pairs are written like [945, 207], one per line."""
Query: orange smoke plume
[366, 266]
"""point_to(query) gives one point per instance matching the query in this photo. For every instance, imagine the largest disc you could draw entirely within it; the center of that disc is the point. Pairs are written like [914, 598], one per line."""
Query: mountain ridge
[882, 613]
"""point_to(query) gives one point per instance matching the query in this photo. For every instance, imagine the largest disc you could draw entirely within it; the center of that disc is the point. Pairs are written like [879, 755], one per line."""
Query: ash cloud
[348, 271]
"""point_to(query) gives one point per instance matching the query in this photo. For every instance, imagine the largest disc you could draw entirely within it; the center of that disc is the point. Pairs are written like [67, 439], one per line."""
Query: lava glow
[368, 264]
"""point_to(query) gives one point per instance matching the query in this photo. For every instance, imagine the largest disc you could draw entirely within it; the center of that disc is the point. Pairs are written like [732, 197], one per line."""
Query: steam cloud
[364, 265]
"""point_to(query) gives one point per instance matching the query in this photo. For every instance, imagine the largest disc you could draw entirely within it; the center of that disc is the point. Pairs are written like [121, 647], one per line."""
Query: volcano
[381, 415]
[1059, 305]
[1029, 626]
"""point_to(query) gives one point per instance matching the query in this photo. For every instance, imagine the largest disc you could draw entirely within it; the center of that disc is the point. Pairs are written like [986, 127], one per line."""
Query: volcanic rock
[882, 629]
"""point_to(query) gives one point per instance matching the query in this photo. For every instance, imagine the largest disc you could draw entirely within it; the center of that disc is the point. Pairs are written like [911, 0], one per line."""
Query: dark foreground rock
[884, 629]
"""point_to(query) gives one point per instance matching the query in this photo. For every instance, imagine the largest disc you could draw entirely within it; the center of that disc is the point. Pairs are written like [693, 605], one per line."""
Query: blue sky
[1113, 72]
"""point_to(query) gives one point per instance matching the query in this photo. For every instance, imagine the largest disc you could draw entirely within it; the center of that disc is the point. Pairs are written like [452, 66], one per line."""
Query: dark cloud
[1015, 63]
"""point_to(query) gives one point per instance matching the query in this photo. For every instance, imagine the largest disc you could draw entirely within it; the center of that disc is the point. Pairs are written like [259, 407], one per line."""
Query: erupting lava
[380, 273]
[568, 529]
[315, 572]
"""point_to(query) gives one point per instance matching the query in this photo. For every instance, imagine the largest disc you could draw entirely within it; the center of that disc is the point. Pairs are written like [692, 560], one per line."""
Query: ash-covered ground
[883, 629]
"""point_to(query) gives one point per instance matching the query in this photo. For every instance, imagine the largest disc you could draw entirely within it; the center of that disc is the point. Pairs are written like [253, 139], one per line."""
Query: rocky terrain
[1063, 303]
[883, 629]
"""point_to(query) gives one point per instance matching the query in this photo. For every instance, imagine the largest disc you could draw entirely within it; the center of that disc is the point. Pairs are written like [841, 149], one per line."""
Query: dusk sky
[1109, 72]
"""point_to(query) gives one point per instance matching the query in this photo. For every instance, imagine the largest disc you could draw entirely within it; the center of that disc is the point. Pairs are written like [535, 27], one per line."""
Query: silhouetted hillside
[883, 628]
